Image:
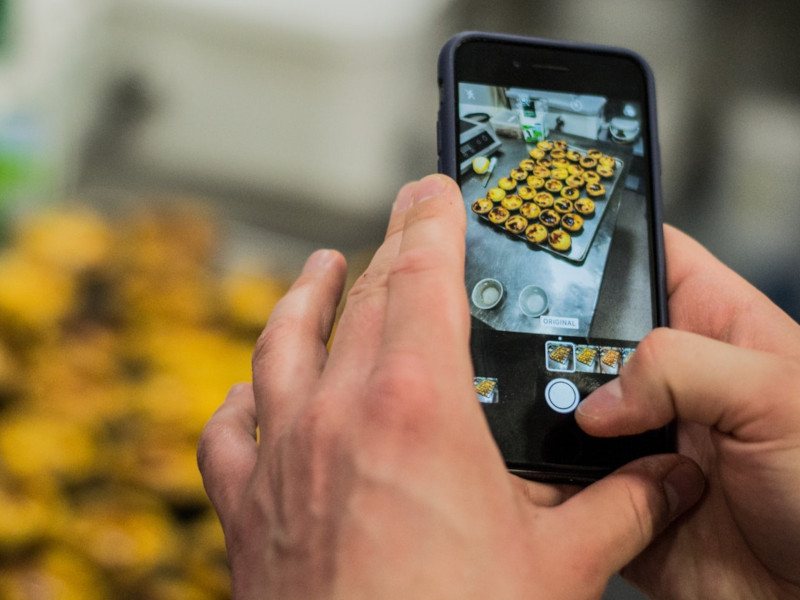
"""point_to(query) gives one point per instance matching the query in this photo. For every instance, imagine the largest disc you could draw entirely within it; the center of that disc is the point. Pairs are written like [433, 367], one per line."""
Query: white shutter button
[562, 395]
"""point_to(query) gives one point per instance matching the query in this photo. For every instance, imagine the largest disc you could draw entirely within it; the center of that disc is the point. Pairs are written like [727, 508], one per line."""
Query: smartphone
[554, 145]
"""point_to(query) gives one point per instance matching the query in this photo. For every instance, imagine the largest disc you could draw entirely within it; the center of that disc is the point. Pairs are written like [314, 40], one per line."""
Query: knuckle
[779, 386]
[296, 311]
[641, 510]
[445, 212]
[369, 287]
[313, 426]
[279, 328]
[416, 261]
[650, 351]
[207, 445]
[404, 399]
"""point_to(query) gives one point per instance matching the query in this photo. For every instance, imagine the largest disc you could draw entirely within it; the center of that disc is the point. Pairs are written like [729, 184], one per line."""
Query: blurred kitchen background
[167, 165]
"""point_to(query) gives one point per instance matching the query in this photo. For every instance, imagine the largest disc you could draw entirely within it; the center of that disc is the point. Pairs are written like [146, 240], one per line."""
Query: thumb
[617, 517]
[738, 391]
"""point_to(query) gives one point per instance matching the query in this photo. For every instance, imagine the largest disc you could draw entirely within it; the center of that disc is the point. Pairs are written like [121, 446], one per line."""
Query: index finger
[427, 308]
[291, 351]
[707, 297]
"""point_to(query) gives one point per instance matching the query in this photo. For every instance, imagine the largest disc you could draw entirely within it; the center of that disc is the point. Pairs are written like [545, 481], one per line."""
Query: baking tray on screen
[529, 203]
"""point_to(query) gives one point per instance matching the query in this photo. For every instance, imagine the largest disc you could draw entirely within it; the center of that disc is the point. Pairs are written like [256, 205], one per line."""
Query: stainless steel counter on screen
[572, 287]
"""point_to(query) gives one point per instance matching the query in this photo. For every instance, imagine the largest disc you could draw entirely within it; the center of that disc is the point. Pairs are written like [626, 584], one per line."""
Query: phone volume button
[439, 145]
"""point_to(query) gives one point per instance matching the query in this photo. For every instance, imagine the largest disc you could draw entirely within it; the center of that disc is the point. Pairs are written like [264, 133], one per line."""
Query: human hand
[375, 474]
[734, 385]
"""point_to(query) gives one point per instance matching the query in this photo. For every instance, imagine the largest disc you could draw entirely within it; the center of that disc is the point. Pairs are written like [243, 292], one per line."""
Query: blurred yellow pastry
[559, 240]
[482, 206]
[536, 233]
[511, 202]
[530, 210]
[496, 194]
[572, 222]
[516, 224]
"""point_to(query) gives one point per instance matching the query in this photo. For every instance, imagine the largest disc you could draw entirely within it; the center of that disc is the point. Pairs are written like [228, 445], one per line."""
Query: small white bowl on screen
[533, 301]
[487, 293]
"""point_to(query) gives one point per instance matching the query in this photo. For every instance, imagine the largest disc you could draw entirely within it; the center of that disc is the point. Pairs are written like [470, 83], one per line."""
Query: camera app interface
[558, 263]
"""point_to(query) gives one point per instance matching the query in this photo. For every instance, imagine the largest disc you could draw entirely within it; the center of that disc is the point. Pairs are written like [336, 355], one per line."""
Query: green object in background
[27, 171]
[4, 6]
[22, 164]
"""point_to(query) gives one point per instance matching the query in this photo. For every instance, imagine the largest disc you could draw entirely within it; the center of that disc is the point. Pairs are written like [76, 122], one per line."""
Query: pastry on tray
[572, 222]
[535, 182]
[526, 192]
[595, 189]
[553, 185]
[607, 161]
[543, 199]
[559, 240]
[511, 202]
[575, 169]
[591, 177]
[574, 181]
[496, 194]
[482, 206]
[507, 183]
[536, 233]
[518, 174]
[516, 224]
[605, 171]
[570, 193]
[584, 206]
[498, 215]
[541, 171]
[549, 218]
[563, 206]
[530, 210]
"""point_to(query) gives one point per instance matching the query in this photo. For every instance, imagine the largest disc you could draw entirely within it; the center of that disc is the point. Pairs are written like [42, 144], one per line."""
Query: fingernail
[604, 400]
[683, 486]
[404, 199]
[427, 188]
[318, 261]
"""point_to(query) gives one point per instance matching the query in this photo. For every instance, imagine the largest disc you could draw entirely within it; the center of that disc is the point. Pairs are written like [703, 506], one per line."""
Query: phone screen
[563, 266]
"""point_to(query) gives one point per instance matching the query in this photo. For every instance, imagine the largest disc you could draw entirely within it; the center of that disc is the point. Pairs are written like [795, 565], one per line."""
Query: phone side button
[562, 395]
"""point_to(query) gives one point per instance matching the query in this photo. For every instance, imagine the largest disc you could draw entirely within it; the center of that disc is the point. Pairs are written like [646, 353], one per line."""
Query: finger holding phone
[730, 372]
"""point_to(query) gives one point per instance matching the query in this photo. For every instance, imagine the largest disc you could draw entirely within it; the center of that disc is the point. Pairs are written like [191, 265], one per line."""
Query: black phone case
[447, 142]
